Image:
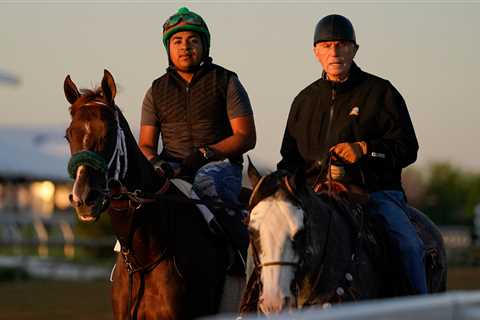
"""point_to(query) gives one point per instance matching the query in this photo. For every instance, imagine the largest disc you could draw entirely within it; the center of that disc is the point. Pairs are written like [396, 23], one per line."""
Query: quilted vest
[192, 115]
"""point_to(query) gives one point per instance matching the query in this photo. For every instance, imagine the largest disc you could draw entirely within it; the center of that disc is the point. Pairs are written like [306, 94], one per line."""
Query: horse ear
[70, 89]
[253, 173]
[108, 87]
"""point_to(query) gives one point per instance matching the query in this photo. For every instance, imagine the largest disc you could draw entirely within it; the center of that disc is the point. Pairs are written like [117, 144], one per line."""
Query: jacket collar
[202, 69]
[355, 76]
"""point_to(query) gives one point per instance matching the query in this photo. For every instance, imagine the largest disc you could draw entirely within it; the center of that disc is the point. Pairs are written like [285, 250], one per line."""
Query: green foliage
[450, 194]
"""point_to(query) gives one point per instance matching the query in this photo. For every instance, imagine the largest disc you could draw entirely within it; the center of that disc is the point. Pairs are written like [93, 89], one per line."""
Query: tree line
[446, 193]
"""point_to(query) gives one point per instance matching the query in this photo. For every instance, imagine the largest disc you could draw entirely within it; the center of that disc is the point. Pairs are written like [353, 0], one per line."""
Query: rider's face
[336, 58]
[186, 50]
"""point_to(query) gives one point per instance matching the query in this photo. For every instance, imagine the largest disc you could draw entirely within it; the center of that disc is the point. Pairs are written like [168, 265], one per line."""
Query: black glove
[193, 162]
[162, 167]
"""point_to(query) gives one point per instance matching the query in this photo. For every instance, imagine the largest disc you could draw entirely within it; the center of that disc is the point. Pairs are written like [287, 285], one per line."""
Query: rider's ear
[253, 173]
[70, 89]
[108, 87]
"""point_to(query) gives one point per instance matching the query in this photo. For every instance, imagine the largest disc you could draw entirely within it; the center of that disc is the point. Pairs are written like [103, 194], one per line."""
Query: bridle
[97, 161]
[120, 200]
[284, 183]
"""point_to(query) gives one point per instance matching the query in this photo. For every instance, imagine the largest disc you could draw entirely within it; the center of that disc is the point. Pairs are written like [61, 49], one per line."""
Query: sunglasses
[186, 18]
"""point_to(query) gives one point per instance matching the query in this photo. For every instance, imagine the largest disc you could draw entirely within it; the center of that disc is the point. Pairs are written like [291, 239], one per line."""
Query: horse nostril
[74, 203]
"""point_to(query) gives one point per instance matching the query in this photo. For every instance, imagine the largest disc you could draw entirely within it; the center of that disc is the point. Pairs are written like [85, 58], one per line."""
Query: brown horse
[310, 249]
[170, 266]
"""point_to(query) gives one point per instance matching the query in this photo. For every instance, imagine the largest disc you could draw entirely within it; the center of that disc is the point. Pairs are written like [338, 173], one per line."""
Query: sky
[427, 50]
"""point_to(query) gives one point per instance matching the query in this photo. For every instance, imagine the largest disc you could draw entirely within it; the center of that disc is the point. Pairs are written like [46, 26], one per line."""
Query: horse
[318, 249]
[170, 266]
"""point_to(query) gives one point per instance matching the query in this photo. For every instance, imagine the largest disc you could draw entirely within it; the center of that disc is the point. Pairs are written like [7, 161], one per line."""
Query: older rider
[363, 120]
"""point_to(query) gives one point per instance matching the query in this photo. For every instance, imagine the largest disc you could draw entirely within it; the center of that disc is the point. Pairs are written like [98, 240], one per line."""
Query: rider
[362, 120]
[203, 114]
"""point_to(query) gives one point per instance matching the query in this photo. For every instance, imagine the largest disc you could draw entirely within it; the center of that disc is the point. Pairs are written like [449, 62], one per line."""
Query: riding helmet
[334, 27]
[185, 20]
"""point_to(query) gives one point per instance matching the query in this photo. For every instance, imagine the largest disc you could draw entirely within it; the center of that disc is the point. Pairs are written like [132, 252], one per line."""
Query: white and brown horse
[318, 249]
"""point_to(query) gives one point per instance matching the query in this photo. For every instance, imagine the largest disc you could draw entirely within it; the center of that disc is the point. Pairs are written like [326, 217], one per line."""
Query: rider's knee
[412, 247]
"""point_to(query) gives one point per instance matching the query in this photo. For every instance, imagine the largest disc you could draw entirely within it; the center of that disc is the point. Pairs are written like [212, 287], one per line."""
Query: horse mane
[323, 215]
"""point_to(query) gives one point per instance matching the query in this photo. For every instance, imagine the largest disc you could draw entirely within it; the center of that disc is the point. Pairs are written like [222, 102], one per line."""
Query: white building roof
[36, 153]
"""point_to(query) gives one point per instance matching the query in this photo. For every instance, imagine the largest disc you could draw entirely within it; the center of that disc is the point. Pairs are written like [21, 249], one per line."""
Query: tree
[450, 194]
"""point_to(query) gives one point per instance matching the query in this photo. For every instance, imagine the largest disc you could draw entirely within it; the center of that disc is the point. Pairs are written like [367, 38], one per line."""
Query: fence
[55, 230]
[459, 305]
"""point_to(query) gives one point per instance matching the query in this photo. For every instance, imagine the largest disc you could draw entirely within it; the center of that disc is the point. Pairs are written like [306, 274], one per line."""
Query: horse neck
[333, 240]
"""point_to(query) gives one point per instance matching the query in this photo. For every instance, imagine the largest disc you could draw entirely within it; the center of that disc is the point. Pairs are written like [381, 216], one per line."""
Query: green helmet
[185, 20]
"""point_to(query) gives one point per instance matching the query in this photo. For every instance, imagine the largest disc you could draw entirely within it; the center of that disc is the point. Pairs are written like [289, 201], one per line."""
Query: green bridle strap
[86, 158]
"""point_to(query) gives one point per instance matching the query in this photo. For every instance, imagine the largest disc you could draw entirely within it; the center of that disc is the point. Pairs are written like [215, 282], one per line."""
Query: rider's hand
[337, 172]
[162, 167]
[193, 162]
[350, 152]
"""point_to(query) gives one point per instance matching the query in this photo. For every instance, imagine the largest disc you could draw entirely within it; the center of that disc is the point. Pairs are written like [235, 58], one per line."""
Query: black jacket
[363, 108]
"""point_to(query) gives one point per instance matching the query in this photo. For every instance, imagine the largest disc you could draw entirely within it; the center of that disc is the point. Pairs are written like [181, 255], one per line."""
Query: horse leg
[119, 290]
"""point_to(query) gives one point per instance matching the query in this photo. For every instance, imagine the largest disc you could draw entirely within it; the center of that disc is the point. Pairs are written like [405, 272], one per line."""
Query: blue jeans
[219, 182]
[392, 206]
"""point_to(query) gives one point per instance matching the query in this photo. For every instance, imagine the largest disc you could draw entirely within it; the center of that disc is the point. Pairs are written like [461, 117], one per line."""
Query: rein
[127, 253]
[145, 198]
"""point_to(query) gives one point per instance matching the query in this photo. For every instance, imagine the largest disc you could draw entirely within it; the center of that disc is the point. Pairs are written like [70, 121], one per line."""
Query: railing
[461, 305]
[53, 231]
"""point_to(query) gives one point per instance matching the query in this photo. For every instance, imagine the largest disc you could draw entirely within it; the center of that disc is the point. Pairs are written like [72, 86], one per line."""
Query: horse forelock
[267, 186]
[89, 98]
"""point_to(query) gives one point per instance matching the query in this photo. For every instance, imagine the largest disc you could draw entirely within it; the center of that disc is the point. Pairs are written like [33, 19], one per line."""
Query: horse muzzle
[270, 306]
[89, 211]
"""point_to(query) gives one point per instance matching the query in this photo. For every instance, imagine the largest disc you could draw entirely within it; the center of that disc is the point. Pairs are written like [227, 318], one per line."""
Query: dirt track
[72, 300]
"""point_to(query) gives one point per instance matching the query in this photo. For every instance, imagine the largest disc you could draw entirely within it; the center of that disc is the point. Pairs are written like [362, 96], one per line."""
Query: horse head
[276, 220]
[93, 139]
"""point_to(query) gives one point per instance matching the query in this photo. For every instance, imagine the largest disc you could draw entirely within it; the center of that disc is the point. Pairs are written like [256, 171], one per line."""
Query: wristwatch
[207, 153]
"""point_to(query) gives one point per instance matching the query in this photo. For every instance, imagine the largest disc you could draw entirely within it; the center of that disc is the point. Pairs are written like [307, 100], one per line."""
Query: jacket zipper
[189, 113]
[330, 118]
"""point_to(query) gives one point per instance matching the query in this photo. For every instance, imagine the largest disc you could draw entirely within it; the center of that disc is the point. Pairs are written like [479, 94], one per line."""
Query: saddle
[226, 227]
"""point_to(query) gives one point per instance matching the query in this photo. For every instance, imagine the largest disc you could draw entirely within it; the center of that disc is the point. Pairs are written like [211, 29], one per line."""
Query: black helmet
[334, 27]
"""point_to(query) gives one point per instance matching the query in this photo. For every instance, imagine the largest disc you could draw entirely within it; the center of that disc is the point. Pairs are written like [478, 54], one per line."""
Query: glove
[350, 152]
[193, 162]
[162, 167]
[337, 172]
